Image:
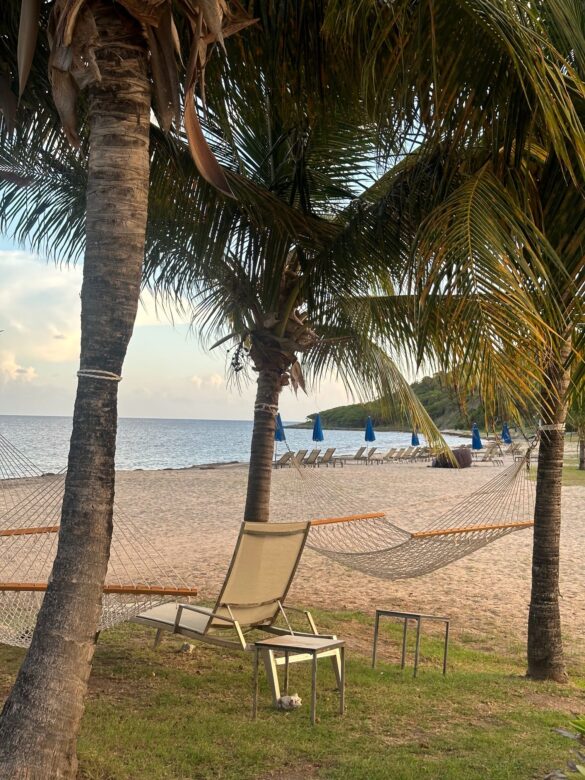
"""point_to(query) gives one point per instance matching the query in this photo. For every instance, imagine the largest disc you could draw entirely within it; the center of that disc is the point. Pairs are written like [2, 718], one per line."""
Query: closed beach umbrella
[475, 438]
[370, 435]
[279, 430]
[506, 438]
[414, 440]
[317, 430]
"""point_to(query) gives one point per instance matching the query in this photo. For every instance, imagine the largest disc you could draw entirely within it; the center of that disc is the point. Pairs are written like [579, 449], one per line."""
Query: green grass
[165, 714]
[572, 476]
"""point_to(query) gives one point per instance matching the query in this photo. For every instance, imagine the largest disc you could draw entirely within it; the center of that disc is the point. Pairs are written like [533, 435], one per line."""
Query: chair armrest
[307, 614]
[201, 611]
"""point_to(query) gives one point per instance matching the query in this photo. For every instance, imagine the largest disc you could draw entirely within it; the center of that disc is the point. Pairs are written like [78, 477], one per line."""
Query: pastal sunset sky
[166, 374]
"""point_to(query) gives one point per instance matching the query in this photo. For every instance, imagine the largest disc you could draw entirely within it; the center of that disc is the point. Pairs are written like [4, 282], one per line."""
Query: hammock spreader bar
[45, 529]
[470, 529]
[133, 590]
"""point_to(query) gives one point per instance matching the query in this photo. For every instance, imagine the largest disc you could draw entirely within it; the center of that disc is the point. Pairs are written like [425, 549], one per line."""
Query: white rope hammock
[138, 577]
[352, 529]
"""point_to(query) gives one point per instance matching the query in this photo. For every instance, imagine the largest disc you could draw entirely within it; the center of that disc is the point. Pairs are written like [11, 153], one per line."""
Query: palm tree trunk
[42, 716]
[545, 646]
[581, 452]
[260, 473]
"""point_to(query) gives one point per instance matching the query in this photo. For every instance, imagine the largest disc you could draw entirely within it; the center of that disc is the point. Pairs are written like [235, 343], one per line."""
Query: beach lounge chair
[491, 455]
[328, 459]
[358, 455]
[384, 457]
[312, 459]
[368, 457]
[252, 597]
[298, 458]
[283, 460]
[404, 455]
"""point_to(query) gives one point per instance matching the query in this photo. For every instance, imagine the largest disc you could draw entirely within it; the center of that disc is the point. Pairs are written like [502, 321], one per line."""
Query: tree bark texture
[260, 473]
[545, 646]
[581, 453]
[42, 716]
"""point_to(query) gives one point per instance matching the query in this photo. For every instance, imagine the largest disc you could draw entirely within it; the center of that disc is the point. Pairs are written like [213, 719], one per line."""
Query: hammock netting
[138, 577]
[348, 526]
[353, 530]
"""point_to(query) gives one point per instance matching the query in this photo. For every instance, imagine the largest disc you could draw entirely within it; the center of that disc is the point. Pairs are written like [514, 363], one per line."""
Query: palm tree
[288, 295]
[504, 44]
[118, 55]
[506, 179]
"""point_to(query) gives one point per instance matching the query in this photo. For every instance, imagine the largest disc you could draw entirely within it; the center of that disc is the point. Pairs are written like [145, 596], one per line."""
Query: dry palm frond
[73, 41]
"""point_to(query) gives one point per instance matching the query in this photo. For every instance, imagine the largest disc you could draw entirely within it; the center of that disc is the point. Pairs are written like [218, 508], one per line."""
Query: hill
[439, 400]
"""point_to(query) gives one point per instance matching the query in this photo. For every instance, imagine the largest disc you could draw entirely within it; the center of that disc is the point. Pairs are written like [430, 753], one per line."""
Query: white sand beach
[193, 517]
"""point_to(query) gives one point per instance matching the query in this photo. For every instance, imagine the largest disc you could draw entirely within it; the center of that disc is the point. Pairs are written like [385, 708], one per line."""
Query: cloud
[216, 380]
[197, 381]
[12, 371]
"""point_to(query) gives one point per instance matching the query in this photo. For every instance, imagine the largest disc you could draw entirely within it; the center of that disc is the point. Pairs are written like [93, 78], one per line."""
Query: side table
[406, 616]
[312, 647]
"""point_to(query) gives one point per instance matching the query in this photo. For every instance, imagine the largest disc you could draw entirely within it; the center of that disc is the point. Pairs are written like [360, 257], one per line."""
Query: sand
[193, 516]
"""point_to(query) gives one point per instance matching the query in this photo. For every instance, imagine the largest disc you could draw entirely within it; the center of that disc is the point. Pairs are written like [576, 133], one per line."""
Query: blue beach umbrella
[414, 440]
[475, 438]
[279, 430]
[370, 435]
[317, 430]
[506, 438]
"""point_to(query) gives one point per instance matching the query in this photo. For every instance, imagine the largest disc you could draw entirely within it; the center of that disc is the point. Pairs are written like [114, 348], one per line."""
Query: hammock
[366, 539]
[138, 577]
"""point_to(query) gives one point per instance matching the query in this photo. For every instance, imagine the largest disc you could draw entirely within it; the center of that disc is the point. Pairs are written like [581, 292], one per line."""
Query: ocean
[148, 443]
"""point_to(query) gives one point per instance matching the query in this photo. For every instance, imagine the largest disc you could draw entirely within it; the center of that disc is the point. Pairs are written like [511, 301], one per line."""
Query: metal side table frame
[405, 617]
[310, 647]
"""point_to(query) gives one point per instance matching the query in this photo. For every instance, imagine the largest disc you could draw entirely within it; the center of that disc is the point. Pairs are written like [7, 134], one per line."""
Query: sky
[166, 373]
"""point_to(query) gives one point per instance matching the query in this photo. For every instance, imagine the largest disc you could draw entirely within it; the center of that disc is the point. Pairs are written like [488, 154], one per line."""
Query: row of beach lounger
[363, 455]
[492, 453]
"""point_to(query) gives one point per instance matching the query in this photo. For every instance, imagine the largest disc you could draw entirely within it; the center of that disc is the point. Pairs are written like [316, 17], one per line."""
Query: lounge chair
[312, 459]
[328, 459]
[298, 458]
[368, 457]
[358, 455]
[258, 579]
[492, 456]
[283, 460]
[384, 457]
[404, 455]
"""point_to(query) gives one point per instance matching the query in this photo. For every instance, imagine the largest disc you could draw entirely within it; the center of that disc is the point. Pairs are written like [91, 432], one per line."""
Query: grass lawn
[572, 477]
[571, 474]
[166, 714]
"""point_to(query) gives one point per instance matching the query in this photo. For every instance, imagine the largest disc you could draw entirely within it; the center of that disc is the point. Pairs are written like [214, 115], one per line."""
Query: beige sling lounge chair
[311, 460]
[259, 576]
[284, 459]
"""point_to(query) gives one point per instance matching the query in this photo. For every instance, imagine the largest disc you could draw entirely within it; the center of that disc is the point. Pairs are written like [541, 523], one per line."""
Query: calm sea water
[159, 444]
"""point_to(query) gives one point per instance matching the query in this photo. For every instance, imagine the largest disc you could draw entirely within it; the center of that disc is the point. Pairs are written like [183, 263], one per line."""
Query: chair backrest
[284, 458]
[312, 457]
[371, 452]
[260, 573]
[300, 456]
[328, 455]
[359, 453]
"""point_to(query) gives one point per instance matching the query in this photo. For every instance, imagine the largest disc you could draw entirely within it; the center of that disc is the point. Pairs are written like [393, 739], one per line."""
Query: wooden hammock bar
[347, 519]
[469, 529]
[45, 529]
[133, 590]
